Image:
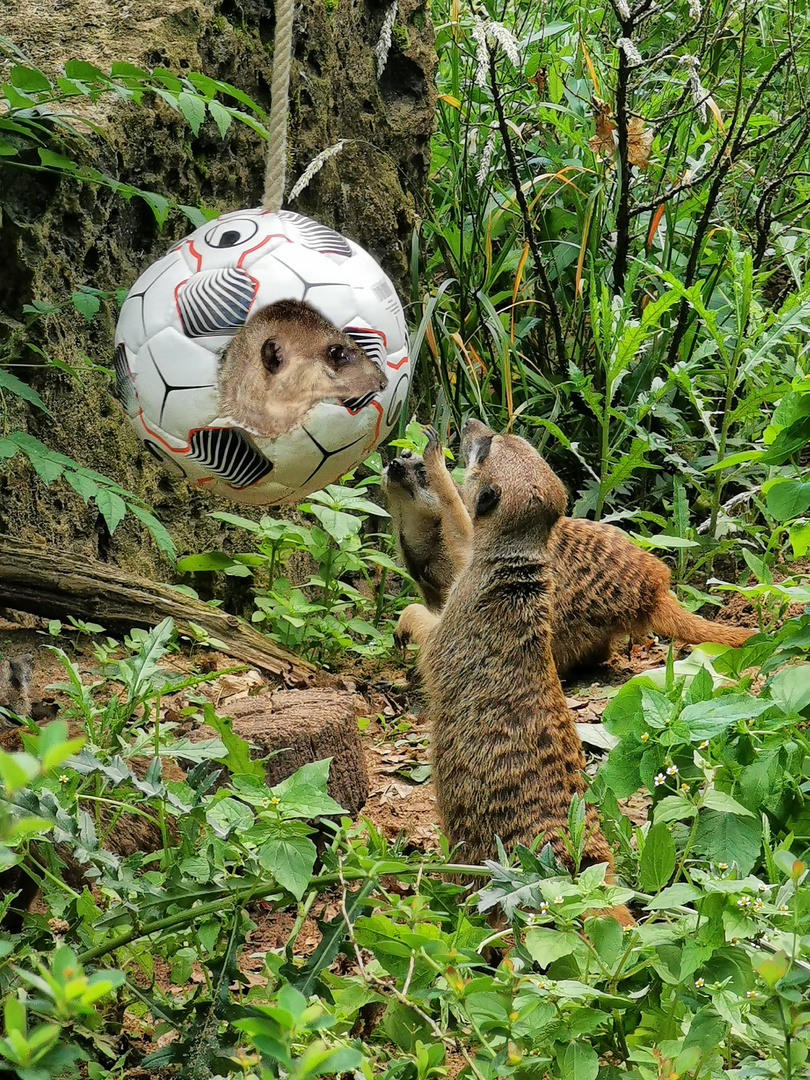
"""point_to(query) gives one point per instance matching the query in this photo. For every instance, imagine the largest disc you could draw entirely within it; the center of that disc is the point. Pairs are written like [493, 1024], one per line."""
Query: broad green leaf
[290, 859]
[675, 896]
[211, 560]
[579, 1061]
[193, 109]
[545, 945]
[788, 499]
[724, 803]
[303, 795]
[728, 838]
[159, 532]
[111, 507]
[84, 72]
[657, 864]
[790, 687]
[788, 442]
[674, 808]
[705, 719]
[221, 116]
[238, 757]
[21, 389]
[29, 79]
[86, 304]
[800, 540]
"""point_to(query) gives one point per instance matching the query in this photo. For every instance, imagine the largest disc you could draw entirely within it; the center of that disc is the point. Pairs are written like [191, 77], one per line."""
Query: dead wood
[53, 584]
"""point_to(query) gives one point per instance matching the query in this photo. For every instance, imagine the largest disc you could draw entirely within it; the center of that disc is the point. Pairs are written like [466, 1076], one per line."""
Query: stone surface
[56, 234]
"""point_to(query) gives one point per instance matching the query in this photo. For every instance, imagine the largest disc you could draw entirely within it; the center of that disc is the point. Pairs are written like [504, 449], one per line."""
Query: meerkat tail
[671, 620]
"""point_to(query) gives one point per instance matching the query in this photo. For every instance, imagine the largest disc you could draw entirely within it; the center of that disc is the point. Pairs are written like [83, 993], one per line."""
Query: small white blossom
[784, 909]
[479, 33]
[506, 39]
[630, 51]
[315, 167]
[531, 918]
[699, 983]
[645, 736]
[660, 779]
[750, 994]
[762, 887]
[722, 866]
[672, 770]
[558, 899]
[383, 46]
[703, 745]
[543, 907]
[759, 903]
[744, 901]
[486, 160]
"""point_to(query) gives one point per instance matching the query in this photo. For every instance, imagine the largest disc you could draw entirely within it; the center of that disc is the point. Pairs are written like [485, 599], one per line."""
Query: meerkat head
[286, 359]
[507, 485]
[405, 478]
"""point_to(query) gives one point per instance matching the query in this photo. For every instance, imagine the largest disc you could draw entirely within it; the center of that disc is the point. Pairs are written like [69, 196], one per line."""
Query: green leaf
[724, 804]
[238, 758]
[728, 838]
[159, 532]
[290, 859]
[790, 688]
[86, 304]
[84, 72]
[623, 714]
[788, 442]
[222, 118]
[578, 1061]
[23, 390]
[605, 934]
[111, 507]
[674, 808]
[657, 864]
[706, 719]
[788, 499]
[29, 79]
[303, 795]
[211, 560]
[193, 109]
[675, 896]
[546, 945]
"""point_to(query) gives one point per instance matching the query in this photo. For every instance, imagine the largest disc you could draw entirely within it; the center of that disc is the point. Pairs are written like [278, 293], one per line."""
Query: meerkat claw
[433, 445]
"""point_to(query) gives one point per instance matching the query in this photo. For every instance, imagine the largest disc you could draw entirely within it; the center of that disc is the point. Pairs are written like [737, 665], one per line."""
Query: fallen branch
[42, 582]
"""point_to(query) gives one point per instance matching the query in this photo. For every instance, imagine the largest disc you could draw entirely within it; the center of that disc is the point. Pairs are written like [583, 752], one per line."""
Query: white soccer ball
[180, 316]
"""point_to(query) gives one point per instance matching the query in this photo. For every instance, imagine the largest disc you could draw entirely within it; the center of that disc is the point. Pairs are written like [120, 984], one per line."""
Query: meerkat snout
[285, 360]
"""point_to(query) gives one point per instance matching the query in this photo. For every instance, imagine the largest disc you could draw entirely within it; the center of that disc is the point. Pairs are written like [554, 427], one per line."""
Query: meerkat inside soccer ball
[181, 315]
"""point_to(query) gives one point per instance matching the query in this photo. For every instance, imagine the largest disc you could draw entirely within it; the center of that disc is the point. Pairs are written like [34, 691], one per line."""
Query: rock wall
[57, 234]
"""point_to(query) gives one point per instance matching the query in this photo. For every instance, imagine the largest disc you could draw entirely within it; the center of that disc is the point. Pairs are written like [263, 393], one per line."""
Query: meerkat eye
[488, 498]
[338, 357]
[271, 357]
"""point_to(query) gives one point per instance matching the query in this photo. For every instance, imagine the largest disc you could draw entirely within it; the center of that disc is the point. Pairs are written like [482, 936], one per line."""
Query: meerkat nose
[395, 470]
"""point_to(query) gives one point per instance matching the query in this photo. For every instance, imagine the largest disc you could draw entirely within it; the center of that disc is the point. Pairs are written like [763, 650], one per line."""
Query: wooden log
[305, 726]
[52, 584]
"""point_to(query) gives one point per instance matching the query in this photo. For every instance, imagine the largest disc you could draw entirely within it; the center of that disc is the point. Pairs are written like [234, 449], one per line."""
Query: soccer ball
[180, 315]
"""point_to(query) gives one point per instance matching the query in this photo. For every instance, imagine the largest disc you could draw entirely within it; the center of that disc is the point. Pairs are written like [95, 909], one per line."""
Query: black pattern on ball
[124, 386]
[215, 302]
[318, 237]
[229, 454]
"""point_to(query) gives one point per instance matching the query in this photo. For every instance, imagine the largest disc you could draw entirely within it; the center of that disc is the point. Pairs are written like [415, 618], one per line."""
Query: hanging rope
[276, 171]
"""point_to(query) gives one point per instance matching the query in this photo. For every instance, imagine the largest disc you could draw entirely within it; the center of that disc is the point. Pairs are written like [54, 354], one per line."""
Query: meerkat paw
[433, 445]
[414, 624]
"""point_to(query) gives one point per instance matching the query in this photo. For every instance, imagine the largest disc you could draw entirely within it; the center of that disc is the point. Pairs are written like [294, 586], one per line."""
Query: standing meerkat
[507, 760]
[605, 586]
[286, 359]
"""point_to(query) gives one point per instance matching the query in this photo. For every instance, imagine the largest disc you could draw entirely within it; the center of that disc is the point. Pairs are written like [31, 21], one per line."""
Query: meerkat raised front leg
[456, 524]
[415, 624]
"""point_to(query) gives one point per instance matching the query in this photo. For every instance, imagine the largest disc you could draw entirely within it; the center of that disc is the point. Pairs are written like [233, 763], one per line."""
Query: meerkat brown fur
[506, 756]
[604, 585]
[286, 359]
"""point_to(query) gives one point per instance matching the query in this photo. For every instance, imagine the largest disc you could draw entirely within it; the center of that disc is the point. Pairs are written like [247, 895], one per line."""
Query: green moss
[419, 19]
[330, 6]
[400, 37]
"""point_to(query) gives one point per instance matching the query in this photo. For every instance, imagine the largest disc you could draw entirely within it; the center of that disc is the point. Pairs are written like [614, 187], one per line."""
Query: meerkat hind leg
[456, 524]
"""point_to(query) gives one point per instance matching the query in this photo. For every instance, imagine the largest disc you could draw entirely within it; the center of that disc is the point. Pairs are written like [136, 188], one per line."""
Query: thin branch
[548, 295]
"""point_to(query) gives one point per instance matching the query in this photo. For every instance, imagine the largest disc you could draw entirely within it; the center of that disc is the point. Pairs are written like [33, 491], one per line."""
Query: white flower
[543, 907]
[630, 51]
[750, 994]
[672, 770]
[722, 866]
[699, 983]
[383, 46]
[704, 744]
[506, 39]
[479, 33]
[744, 901]
[660, 779]
[558, 899]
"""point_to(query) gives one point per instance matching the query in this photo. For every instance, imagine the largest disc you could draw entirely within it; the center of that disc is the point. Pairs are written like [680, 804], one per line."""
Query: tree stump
[305, 726]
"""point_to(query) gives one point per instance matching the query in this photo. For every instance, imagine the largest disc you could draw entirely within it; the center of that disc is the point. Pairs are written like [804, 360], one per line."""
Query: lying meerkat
[507, 759]
[16, 673]
[286, 359]
[605, 585]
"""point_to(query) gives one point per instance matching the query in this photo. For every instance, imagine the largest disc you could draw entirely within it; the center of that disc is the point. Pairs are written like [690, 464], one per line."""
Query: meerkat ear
[271, 357]
[488, 498]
